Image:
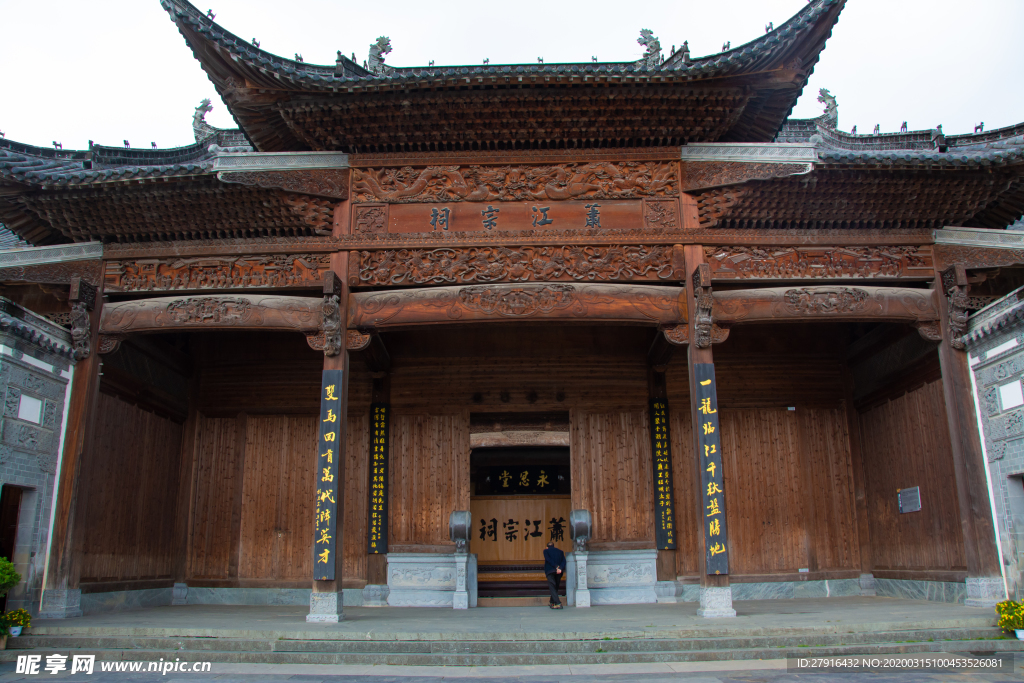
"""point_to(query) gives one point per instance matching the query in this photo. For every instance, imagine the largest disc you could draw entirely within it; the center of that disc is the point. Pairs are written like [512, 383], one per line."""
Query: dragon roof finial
[830, 118]
[377, 51]
[200, 127]
[652, 58]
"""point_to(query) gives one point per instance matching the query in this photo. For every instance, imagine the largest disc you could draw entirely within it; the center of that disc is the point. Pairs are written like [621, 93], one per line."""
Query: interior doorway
[10, 509]
[520, 500]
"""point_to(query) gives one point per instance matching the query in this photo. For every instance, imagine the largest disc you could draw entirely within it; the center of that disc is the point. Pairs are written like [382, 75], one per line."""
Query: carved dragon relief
[958, 303]
[596, 180]
[515, 264]
[703, 305]
[81, 330]
[560, 301]
[321, 182]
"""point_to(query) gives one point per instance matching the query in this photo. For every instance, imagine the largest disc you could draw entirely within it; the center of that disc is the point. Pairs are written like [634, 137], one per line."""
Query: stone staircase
[119, 644]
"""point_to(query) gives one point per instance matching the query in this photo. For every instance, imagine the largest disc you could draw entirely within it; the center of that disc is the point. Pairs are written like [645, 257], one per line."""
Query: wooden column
[867, 581]
[61, 596]
[984, 583]
[715, 593]
[321, 608]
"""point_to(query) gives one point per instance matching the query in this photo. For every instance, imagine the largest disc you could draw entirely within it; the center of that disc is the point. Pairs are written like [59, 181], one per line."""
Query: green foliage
[1011, 615]
[8, 577]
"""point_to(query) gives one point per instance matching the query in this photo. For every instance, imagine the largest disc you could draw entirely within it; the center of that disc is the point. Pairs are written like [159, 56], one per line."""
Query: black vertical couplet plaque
[325, 541]
[664, 524]
[377, 529]
[716, 544]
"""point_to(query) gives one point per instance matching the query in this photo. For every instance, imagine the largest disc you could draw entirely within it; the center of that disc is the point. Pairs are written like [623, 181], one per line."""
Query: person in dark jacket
[554, 569]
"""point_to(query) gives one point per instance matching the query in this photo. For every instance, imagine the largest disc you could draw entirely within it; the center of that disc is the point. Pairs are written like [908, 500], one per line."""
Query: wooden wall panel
[357, 491]
[611, 475]
[763, 492]
[684, 484]
[906, 443]
[278, 498]
[826, 441]
[219, 466]
[429, 477]
[131, 486]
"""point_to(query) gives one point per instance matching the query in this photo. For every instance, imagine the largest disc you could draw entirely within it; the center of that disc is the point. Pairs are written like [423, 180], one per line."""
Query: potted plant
[17, 620]
[8, 580]
[1011, 617]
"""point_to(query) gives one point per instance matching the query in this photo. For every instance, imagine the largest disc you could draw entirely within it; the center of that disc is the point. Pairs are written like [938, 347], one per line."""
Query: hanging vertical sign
[377, 529]
[716, 554]
[664, 525]
[329, 452]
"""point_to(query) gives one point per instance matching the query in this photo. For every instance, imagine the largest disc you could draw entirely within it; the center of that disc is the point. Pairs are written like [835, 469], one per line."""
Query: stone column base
[867, 584]
[583, 597]
[375, 595]
[985, 591]
[715, 601]
[179, 594]
[325, 608]
[60, 604]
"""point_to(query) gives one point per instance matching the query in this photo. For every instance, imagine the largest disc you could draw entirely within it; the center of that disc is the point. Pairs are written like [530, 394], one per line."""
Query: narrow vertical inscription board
[377, 529]
[328, 455]
[661, 450]
[716, 554]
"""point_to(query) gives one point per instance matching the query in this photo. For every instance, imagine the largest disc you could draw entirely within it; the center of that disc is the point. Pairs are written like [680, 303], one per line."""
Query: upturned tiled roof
[741, 95]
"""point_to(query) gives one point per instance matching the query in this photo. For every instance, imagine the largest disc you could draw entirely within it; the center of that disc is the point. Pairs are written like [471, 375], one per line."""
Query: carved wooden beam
[700, 175]
[320, 182]
[628, 304]
[680, 334]
[54, 273]
[819, 262]
[276, 271]
[212, 312]
[474, 265]
[780, 304]
[969, 257]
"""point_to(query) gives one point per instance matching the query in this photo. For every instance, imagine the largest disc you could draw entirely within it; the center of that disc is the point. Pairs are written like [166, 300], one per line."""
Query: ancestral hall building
[633, 293]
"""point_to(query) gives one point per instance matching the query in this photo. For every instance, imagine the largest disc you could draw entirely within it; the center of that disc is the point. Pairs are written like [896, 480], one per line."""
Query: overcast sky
[115, 69]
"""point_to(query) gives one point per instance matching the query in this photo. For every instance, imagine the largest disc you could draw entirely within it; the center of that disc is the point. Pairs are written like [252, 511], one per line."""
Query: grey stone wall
[995, 339]
[35, 365]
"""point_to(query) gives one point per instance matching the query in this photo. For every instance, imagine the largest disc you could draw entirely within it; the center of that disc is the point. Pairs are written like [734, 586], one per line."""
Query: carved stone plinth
[60, 603]
[325, 608]
[179, 594]
[867, 584]
[465, 572]
[611, 577]
[375, 595]
[985, 591]
[429, 579]
[715, 602]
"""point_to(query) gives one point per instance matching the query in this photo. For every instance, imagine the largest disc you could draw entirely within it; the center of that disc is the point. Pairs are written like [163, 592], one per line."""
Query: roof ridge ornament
[652, 59]
[830, 119]
[200, 128]
[375, 64]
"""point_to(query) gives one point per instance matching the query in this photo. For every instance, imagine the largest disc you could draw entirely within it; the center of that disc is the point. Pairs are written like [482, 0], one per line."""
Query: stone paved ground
[588, 674]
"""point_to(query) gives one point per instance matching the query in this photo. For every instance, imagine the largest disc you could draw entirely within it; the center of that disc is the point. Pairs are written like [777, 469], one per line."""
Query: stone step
[455, 646]
[599, 652]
